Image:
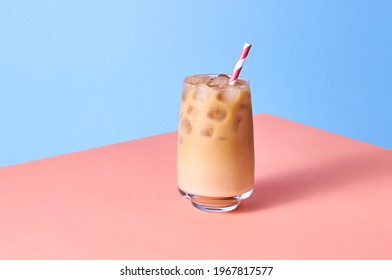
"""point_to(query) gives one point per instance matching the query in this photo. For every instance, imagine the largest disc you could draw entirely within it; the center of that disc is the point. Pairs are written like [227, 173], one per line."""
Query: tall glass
[215, 155]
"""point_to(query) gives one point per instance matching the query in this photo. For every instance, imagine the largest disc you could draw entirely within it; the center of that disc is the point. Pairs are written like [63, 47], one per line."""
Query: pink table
[318, 195]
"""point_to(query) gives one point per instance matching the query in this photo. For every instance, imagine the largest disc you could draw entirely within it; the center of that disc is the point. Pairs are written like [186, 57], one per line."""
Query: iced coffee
[215, 156]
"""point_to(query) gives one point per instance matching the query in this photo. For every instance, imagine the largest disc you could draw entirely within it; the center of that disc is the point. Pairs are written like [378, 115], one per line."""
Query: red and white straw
[240, 63]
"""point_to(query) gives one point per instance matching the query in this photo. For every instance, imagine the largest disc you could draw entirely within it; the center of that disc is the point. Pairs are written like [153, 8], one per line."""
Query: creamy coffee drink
[215, 157]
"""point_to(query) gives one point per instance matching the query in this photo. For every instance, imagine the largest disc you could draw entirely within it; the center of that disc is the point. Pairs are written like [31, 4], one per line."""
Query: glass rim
[246, 84]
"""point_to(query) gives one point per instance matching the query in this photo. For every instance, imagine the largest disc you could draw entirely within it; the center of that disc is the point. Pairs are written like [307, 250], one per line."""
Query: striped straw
[240, 63]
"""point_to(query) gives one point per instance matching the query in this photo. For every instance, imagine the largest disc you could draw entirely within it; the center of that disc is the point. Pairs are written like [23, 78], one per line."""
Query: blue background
[81, 74]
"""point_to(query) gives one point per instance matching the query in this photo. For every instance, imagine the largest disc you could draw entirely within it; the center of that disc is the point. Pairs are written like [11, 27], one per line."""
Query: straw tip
[247, 45]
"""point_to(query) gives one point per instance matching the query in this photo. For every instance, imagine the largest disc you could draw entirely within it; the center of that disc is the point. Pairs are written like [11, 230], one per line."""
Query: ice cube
[185, 93]
[201, 94]
[207, 131]
[186, 126]
[240, 82]
[243, 107]
[221, 81]
[217, 114]
[245, 102]
[191, 111]
[197, 79]
[237, 122]
[227, 95]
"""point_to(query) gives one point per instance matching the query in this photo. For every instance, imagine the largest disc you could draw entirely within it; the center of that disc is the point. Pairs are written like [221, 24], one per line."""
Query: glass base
[215, 204]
